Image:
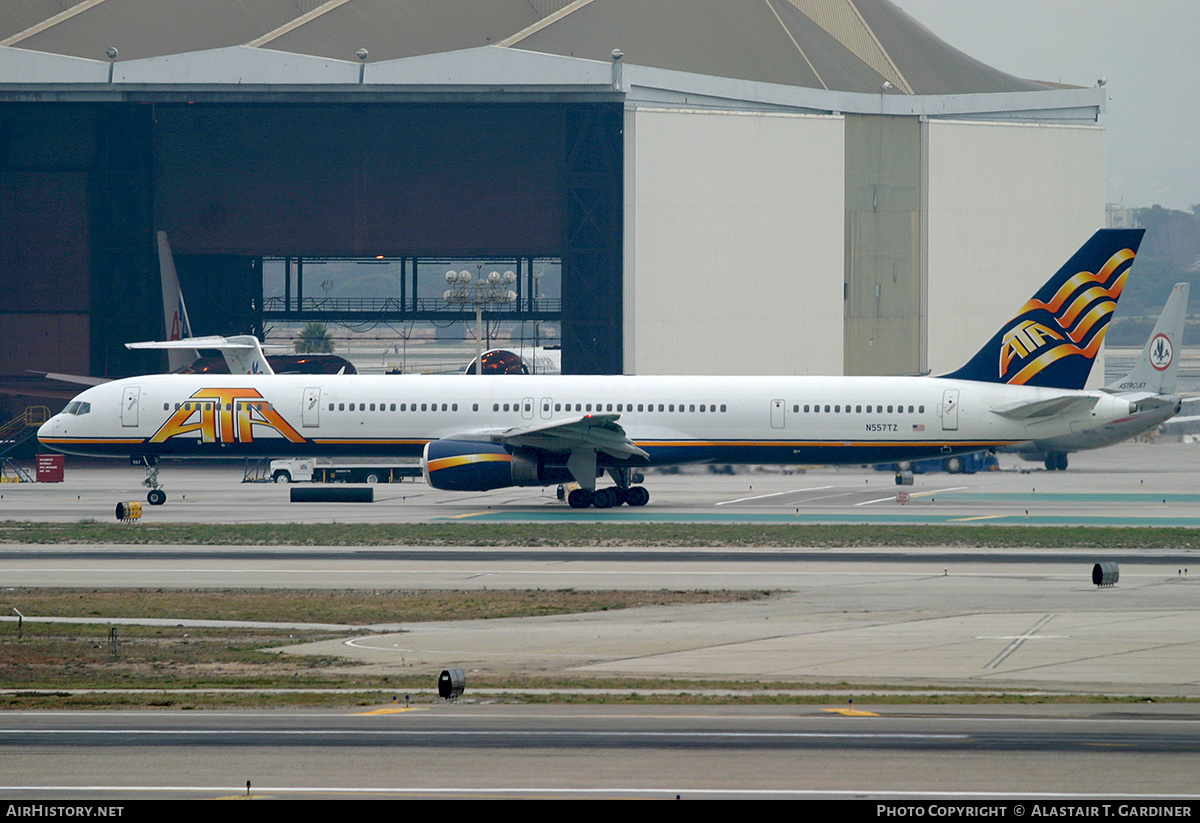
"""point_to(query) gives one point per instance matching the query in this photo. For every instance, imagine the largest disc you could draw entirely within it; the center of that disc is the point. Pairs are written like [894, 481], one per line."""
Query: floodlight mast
[466, 288]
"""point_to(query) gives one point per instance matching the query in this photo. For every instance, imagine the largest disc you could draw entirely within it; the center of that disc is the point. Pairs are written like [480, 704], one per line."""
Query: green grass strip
[608, 535]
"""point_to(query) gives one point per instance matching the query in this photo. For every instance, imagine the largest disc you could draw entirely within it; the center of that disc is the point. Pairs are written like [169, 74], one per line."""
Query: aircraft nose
[47, 429]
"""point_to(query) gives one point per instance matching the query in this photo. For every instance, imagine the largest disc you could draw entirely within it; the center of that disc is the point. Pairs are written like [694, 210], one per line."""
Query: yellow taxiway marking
[461, 516]
[851, 712]
[385, 711]
[977, 517]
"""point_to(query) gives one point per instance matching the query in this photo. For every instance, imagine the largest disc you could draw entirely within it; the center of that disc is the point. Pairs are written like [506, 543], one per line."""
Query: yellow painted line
[468, 514]
[385, 711]
[980, 517]
[851, 712]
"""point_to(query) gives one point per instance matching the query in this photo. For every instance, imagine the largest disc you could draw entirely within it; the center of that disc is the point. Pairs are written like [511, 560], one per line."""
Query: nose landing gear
[156, 496]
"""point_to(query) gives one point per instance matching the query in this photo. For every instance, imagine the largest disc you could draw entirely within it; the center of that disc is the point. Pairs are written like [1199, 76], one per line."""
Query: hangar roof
[834, 45]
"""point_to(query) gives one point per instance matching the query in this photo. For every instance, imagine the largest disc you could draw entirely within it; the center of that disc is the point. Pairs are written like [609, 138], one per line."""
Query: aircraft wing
[1047, 407]
[590, 431]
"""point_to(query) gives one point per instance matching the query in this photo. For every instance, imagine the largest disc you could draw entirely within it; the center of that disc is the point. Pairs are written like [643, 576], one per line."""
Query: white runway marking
[911, 495]
[773, 494]
[1017, 642]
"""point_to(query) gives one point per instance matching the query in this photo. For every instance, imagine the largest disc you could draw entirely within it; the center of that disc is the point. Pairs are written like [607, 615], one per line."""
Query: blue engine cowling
[474, 466]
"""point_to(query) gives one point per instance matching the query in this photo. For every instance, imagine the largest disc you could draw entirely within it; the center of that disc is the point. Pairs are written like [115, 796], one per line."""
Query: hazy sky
[1148, 50]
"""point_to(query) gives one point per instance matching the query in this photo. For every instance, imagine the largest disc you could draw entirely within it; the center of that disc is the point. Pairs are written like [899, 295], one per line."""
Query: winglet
[1055, 337]
[1158, 364]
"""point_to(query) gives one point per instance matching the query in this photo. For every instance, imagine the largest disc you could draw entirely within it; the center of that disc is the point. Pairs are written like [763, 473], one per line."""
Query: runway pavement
[987, 618]
[1056, 755]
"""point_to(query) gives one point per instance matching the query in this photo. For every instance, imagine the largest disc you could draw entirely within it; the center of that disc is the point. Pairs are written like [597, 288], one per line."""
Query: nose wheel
[156, 496]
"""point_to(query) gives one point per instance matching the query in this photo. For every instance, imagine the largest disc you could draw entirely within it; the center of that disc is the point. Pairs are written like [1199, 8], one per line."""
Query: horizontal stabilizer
[243, 353]
[1046, 408]
[213, 342]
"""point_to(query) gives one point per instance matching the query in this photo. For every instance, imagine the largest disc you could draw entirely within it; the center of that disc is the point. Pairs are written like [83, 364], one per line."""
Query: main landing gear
[622, 493]
[1056, 461]
[607, 498]
[156, 496]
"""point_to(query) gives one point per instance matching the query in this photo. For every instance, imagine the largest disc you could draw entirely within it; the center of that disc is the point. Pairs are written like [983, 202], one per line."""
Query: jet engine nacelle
[473, 466]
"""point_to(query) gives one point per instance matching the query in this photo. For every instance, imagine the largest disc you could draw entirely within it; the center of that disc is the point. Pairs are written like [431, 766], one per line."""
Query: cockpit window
[77, 408]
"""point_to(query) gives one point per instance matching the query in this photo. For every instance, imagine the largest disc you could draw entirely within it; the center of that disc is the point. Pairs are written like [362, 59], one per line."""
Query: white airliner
[487, 432]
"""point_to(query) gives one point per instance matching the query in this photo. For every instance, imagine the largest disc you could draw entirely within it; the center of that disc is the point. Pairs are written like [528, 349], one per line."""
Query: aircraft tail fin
[176, 325]
[1158, 364]
[244, 355]
[1055, 337]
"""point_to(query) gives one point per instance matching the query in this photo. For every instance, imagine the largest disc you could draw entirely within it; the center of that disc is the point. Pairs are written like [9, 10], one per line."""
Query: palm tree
[314, 339]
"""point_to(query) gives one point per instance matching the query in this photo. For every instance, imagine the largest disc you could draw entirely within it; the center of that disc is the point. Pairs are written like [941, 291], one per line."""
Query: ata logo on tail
[1072, 322]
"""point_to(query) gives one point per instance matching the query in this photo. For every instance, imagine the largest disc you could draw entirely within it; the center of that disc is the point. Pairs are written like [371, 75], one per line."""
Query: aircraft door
[547, 408]
[130, 399]
[310, 414]
[950, 410]
[527, 408]
[777, 417]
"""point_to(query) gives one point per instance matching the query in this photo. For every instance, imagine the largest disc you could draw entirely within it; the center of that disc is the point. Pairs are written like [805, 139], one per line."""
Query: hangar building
[731, 186]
